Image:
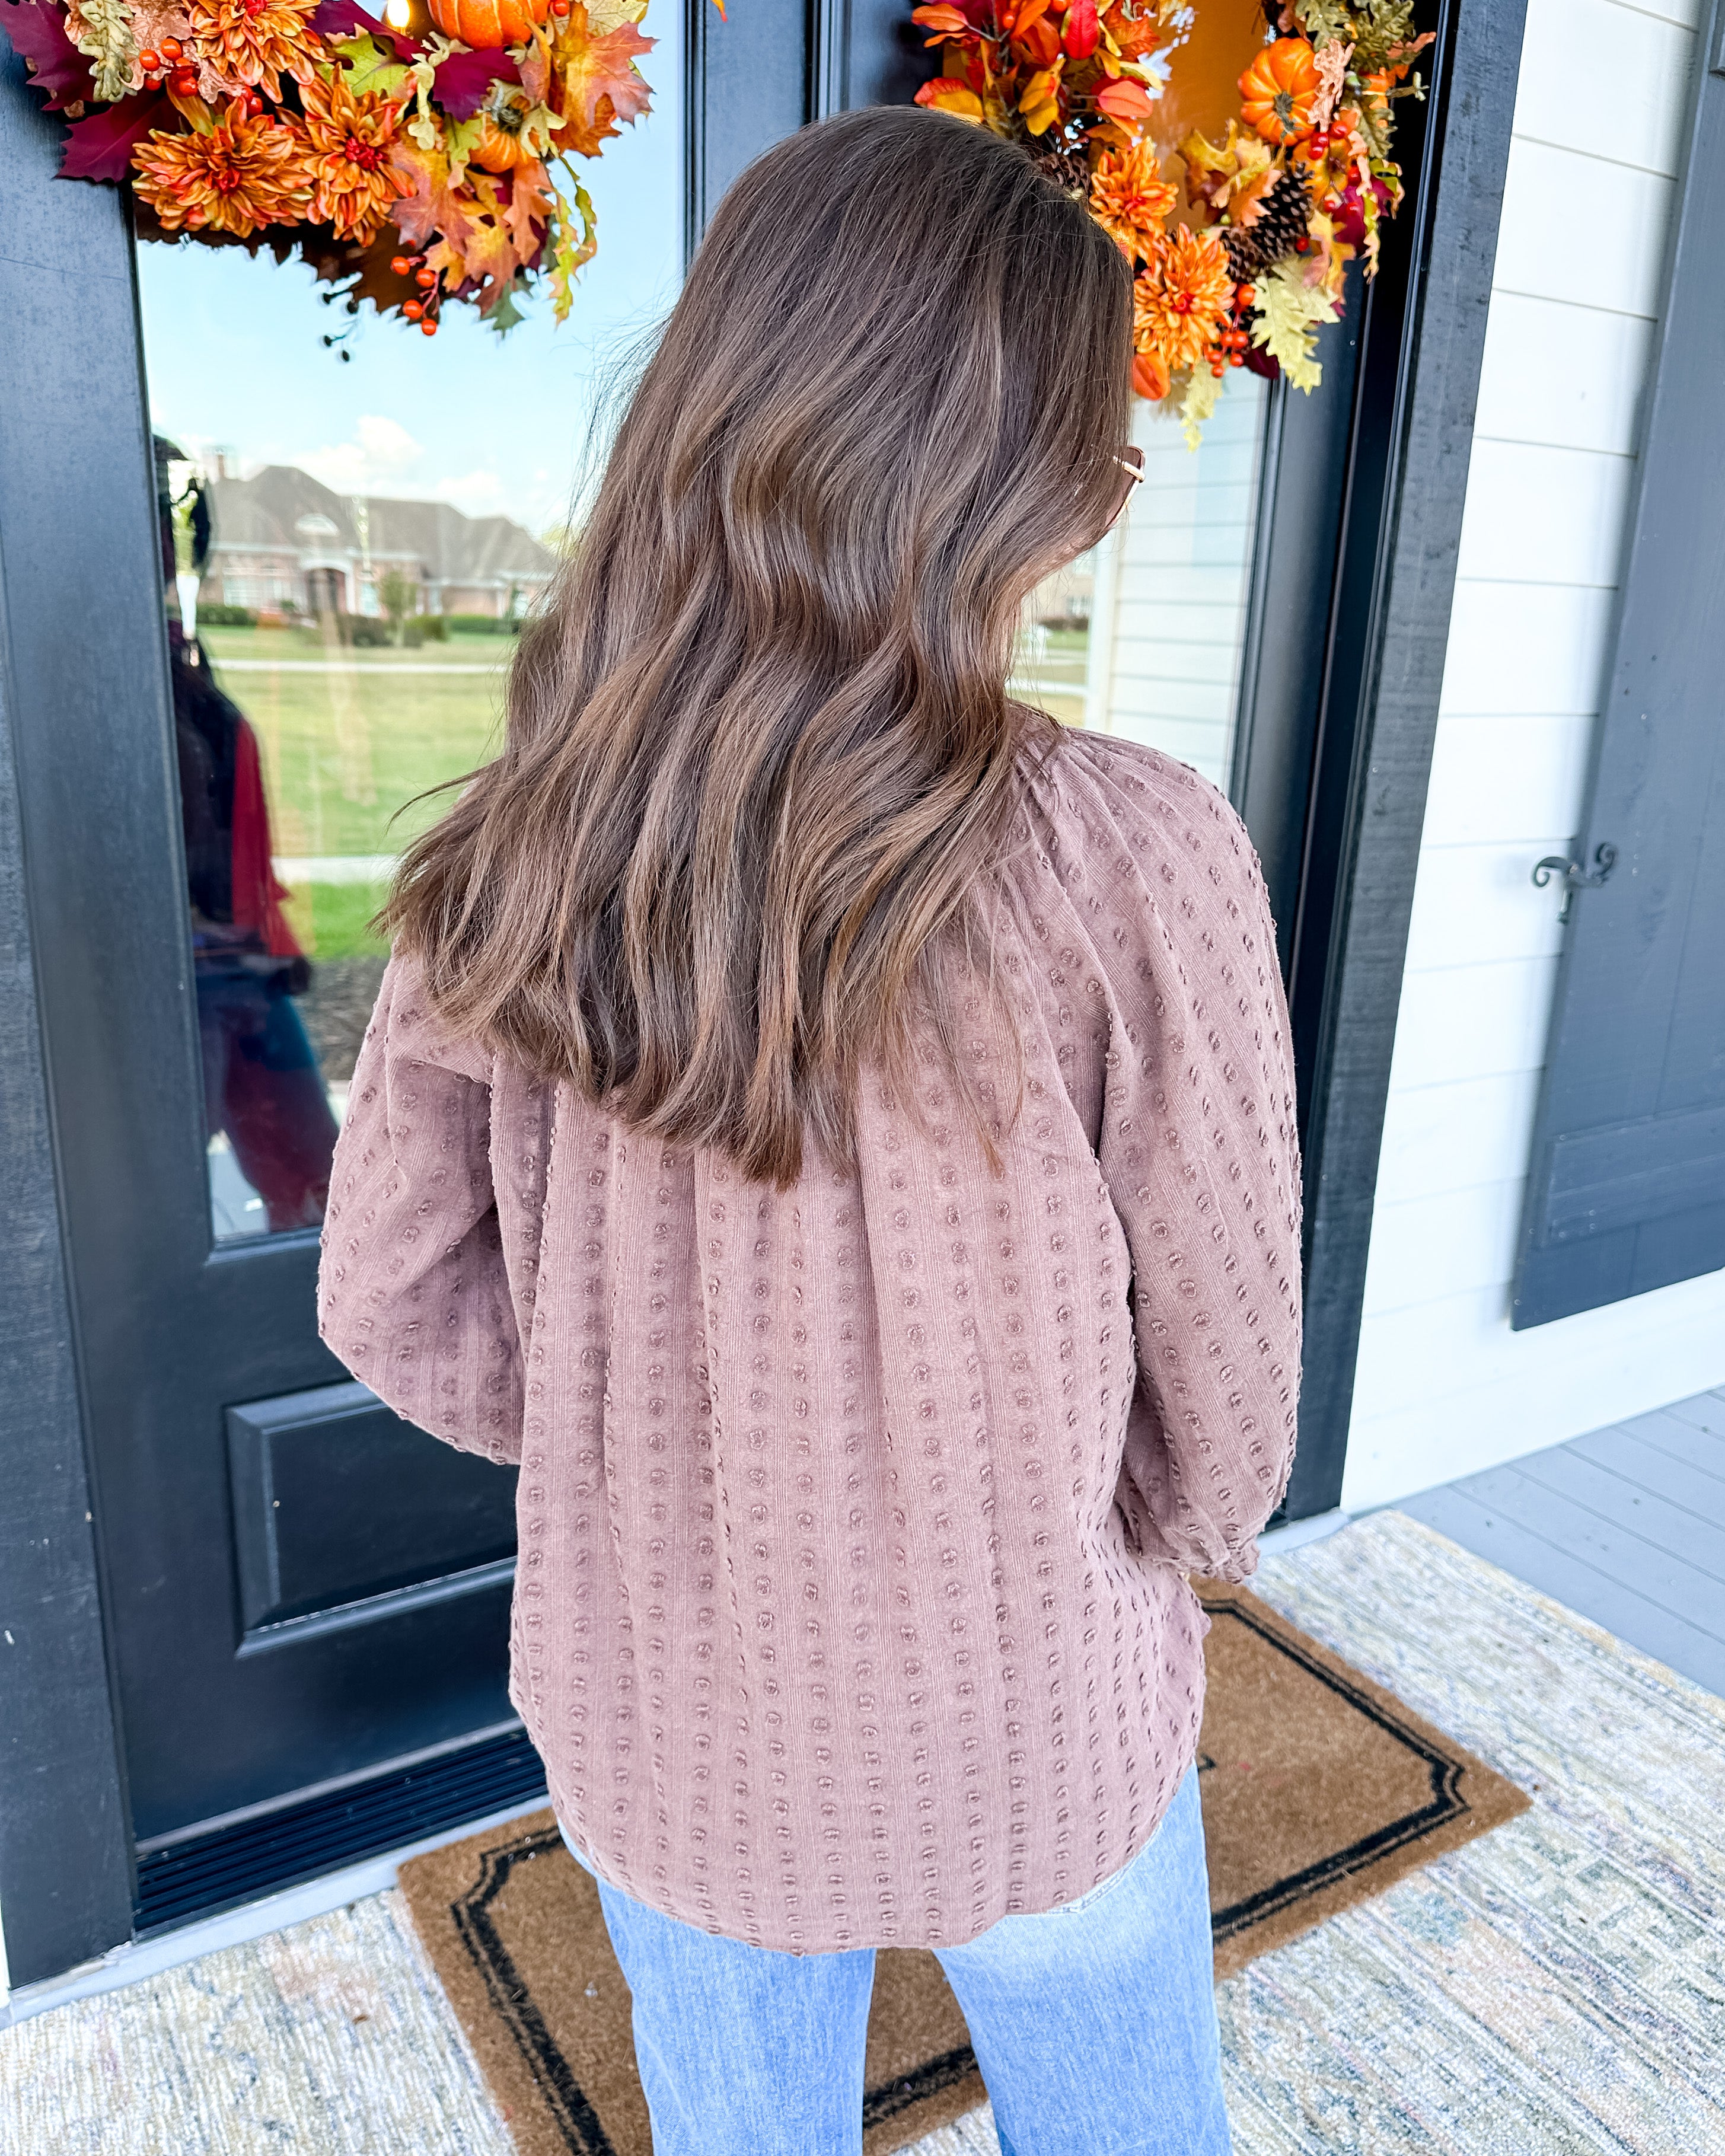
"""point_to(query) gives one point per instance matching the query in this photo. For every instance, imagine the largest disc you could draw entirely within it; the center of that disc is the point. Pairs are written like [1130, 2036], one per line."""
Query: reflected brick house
[282, 539]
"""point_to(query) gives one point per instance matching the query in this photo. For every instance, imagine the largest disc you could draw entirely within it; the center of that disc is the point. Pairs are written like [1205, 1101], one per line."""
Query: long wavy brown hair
[759, 750]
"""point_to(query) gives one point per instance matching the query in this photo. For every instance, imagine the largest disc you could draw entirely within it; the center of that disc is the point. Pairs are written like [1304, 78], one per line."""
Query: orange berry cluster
[1230, 348]
[171, 59]
[423, 310]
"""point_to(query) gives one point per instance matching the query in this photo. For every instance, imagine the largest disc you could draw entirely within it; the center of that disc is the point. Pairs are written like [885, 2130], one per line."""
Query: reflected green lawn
[349, 737]
[333, 920]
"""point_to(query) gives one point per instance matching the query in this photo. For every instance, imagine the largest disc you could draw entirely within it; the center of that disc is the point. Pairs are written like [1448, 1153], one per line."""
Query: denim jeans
[1095, 2025]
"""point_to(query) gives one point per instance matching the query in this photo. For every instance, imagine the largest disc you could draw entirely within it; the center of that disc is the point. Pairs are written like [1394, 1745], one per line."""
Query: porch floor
[1554, 1988]
[1626, 1525]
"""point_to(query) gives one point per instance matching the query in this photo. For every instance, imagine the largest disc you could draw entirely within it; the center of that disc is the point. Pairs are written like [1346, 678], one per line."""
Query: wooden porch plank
[1649, 1467]
[1625, 1501]
[1487, 1529]
[1667, 1433]
[1637, 1566]
[1705, 1411]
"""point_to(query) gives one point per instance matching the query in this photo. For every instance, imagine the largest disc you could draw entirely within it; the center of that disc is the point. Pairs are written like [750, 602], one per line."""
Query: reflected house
[282, 540]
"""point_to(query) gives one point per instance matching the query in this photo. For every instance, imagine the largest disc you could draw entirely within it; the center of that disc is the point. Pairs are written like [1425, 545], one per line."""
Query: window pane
[355, 520]
[1144, 636]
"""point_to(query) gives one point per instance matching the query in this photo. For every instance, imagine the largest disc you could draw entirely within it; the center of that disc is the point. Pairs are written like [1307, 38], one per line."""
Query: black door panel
[337, 1501]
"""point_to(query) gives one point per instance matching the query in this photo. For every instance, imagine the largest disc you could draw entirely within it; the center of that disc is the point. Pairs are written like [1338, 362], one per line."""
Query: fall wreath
[1240, 248]
[408, 170]
[416, 171]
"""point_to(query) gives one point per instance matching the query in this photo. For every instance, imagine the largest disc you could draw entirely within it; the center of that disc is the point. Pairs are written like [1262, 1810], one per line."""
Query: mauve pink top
[850, 1607]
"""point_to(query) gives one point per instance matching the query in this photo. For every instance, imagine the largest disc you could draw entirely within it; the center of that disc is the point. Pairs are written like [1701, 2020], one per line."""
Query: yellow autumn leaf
[1290, 314]
[1220, 177]
[1197, 402]
[947, 94]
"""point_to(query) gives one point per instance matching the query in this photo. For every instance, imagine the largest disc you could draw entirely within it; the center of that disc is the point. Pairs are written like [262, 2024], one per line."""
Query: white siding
[1444, 1387]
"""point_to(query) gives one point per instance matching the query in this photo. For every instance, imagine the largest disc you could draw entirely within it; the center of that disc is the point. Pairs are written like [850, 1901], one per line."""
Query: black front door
[264, 567]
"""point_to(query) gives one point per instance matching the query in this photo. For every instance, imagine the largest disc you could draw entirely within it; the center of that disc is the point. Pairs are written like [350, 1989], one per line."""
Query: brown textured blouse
[853, 1517]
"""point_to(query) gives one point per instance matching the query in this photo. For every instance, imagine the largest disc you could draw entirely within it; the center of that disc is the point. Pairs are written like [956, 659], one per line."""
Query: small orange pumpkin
[1280, 90]
[502, 144]
[484, 23]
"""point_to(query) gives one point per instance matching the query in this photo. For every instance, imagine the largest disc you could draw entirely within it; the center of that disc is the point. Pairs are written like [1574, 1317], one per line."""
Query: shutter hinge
[1574, 876]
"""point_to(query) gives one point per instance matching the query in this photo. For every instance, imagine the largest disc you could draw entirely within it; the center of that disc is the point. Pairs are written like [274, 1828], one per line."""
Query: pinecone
[1283, 220]
[1068, 169]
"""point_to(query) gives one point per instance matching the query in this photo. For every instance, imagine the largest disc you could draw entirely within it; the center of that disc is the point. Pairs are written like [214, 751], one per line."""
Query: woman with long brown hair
[835, 1130]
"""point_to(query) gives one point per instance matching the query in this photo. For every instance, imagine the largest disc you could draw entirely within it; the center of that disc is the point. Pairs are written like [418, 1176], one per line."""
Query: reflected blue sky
[235, 359]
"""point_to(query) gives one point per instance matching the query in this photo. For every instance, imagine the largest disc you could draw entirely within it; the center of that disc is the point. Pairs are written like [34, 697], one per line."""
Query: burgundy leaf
[100, 147]
[333, 19]
[460, 84]
[38, 35]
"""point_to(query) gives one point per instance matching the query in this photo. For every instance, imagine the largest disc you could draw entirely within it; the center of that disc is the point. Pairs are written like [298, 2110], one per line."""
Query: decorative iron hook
[1574, 875]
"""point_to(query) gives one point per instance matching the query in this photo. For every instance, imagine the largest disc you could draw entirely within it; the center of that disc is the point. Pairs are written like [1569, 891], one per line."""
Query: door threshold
[1292, 1534]
[221, 1863]
[137, 1959]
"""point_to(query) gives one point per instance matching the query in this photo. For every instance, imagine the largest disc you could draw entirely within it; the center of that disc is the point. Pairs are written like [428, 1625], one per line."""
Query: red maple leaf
[334, 19]
[460, 84]
[100, 147]
[530, 201]
[486, 267]
[38, 36]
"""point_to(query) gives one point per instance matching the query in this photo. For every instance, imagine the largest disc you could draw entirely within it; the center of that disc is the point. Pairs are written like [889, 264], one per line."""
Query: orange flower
[1181, 299]
[255, 41]
[243, 174]
[355, 176]
[1130, 199]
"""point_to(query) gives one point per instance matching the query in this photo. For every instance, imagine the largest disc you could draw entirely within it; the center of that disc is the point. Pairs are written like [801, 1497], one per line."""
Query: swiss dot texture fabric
[849, 1608]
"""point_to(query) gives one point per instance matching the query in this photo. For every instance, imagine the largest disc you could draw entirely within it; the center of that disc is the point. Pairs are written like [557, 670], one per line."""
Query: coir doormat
[1320, 1789]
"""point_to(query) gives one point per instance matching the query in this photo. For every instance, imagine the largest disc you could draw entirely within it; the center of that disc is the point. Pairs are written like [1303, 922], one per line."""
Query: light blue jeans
[1095, 2025]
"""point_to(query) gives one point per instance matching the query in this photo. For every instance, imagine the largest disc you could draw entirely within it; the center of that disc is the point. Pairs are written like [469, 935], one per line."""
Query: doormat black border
[231, 1864]
[1444, 1804]
[513, 2002]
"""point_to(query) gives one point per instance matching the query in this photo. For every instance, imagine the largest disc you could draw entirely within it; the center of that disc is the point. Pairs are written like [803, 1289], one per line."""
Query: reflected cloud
[380, 456]
[480, 492]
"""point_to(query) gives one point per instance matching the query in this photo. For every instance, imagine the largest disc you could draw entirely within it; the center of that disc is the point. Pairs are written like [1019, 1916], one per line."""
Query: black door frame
[1369, 690]
[1375, 719]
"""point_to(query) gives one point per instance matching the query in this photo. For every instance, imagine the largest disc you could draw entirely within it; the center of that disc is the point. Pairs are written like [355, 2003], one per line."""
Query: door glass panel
[355, 520]
[1144, 636]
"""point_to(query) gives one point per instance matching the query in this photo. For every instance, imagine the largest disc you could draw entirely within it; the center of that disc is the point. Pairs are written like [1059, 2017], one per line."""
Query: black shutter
[1627, 1187]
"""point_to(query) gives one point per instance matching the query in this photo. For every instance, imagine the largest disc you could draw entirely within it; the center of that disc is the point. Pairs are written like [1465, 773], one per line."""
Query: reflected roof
[282, 507]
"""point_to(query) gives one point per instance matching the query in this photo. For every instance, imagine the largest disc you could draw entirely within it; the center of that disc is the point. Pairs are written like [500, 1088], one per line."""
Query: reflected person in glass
[263, 1090]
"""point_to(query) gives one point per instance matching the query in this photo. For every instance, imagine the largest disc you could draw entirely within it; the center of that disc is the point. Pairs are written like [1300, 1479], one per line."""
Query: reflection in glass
[354, 522]
[264, 1104]
[1144, 636]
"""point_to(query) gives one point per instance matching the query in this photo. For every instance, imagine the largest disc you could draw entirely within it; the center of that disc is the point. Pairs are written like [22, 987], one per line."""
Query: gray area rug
[1555, 1988]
